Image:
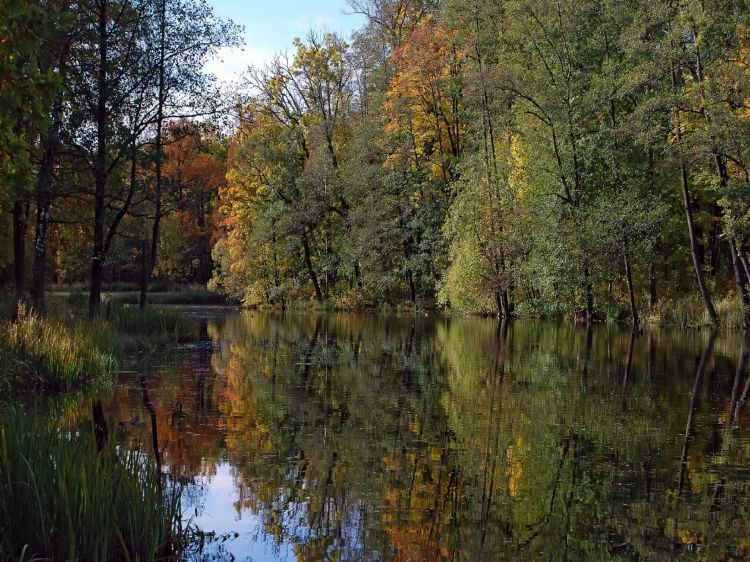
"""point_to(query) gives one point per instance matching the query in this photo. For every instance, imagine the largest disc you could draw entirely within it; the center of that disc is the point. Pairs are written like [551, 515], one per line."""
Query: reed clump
[40, 353]
[62, 497]
[154, 326]
[690, 312]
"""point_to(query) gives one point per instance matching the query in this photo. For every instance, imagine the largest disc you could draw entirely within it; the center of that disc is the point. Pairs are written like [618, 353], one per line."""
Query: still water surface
[355, 437]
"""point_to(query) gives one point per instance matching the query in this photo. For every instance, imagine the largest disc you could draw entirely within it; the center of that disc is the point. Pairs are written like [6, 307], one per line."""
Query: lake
[420, 438]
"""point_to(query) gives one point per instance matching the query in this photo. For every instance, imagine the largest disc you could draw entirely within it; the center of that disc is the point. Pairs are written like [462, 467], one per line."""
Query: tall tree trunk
[43, 202]
[588, 289]
[635, 320]
[503, 306]
[204, 249]
[743, 259]
[687, 204]
[652, 293]
[159, 156]
[741, 283]
[697, 382]
[309, 265]
[20, 215]
[100, 166]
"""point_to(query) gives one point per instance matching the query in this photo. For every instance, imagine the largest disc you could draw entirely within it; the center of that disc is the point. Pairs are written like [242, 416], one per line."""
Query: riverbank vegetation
[575, 158]
[65, 497]
[39, 353]
[65, 350]
[517, 158]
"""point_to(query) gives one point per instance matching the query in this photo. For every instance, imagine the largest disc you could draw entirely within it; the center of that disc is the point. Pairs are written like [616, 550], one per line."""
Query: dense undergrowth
[62, 497]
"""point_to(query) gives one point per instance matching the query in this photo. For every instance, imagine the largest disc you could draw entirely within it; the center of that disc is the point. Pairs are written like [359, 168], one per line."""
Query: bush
[61, 499]
[353, 301]
[41, 353]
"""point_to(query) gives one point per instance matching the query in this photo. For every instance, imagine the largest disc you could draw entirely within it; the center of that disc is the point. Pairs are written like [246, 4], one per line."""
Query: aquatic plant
[65, 497]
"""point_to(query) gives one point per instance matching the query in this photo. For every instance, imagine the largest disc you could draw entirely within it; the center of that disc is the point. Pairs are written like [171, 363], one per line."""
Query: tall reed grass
[690, 312]
[42, 353]
[62, 499]
[155, 325]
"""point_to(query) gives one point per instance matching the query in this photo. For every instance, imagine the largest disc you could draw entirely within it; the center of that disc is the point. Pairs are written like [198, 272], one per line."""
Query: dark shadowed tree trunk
[159, 158]
[20, 217]
[309, 265]
[687, 205]
[741, 284]
[100, 164]
[43, 202]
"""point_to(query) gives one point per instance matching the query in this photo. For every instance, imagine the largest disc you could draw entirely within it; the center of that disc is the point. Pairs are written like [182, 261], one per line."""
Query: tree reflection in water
[346, 437]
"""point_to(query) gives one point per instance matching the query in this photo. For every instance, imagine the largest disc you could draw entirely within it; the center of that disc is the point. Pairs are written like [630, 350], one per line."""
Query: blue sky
[270, 26]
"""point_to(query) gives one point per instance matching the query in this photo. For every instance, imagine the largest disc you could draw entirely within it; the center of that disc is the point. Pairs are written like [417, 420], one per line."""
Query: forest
[501, 157]
[340, 295]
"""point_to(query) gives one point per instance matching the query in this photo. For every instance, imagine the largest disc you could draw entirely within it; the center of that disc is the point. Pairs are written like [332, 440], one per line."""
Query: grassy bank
[690, 312]
[65, 350]
[62, 499]
[184, 295]
[38, 353]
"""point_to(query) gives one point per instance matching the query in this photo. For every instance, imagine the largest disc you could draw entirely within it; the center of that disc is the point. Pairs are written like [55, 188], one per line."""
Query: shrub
[354, 301]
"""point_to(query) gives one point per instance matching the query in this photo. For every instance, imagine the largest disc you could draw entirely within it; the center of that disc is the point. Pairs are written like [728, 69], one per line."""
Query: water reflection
[346, 437]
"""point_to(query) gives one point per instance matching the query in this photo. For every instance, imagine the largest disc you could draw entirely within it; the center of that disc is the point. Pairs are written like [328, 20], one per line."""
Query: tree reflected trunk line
[310, 351]
[743, 397]
[548, 516]
[628, 369]
[569, 503]
[493, 441]
[697, 383]
[731, 423]
[154, 431]
[587, 353]
[101, 432]
[691, 411]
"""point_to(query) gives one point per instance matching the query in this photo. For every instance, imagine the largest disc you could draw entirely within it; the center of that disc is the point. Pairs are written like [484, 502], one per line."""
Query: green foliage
[25, 85]
[62, 499]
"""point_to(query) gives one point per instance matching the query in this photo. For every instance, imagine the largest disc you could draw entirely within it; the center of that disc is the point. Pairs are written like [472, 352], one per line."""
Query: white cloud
[303, 23]
[230, 62]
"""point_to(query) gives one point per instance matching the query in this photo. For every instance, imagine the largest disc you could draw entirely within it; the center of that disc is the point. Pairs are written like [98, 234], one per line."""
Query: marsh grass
[39, 353]
[690, 312]
[61, 499]
[65, 350]
[152, 327]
